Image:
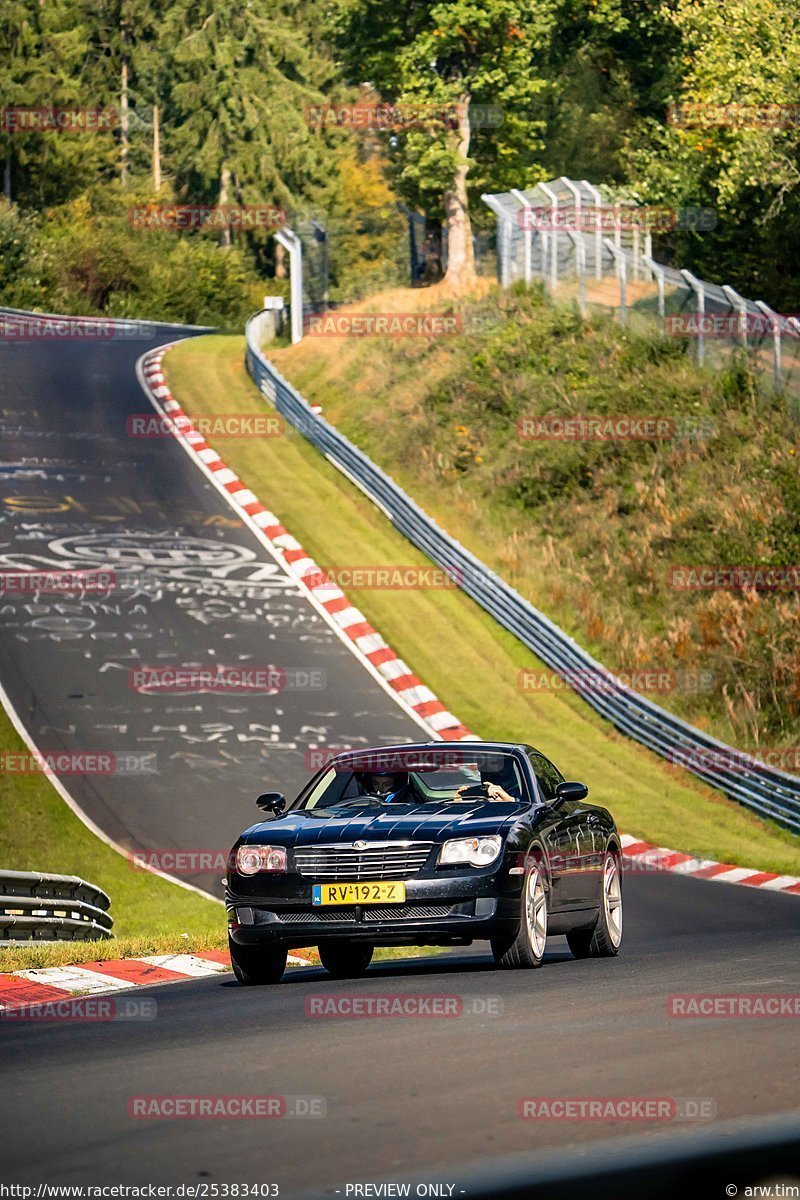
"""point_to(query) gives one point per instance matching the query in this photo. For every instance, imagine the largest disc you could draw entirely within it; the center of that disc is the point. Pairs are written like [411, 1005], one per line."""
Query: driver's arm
[495, 792]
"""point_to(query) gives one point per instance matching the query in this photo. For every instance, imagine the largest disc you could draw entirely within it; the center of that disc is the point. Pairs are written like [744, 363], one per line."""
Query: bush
[85, 259]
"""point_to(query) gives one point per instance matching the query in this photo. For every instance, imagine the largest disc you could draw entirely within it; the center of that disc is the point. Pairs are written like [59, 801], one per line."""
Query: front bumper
[447, 910]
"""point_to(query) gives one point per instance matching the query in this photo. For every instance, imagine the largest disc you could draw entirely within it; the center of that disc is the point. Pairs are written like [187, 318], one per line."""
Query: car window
[418, 778]
[547, 776]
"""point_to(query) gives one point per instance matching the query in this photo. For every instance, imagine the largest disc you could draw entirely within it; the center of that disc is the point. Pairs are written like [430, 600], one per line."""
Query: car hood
[432, 822]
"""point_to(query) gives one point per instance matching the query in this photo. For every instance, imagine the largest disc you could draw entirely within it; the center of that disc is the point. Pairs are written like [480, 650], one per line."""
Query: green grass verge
[63, 954]
[39, 832]
[456, 648]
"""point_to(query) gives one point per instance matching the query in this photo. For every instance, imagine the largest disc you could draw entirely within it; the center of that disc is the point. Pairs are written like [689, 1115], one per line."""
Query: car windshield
[416, 779]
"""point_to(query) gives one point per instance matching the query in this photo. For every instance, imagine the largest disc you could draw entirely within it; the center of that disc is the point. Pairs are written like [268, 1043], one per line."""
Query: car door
[572, 837]
[580, 834]
[557, 835]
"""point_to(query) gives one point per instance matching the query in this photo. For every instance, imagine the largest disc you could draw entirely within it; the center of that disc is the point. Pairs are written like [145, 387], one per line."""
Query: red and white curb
[643, 857]
[49, 985]
[327, 597]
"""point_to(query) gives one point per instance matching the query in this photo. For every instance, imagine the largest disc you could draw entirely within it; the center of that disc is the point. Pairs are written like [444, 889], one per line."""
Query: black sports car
[433, 844]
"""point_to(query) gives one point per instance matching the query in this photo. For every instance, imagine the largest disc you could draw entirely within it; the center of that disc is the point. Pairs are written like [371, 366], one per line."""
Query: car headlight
[252, 859]
[476, 851]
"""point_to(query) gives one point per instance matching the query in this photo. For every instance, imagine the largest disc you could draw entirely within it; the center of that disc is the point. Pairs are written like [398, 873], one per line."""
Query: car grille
[395, 912]
[379, 860]
[407, 912]
[317, 918]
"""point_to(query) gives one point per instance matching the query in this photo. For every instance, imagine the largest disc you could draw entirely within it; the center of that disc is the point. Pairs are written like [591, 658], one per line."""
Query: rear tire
[604, 940]
[527, 948]
[257, 965]
[344, 959]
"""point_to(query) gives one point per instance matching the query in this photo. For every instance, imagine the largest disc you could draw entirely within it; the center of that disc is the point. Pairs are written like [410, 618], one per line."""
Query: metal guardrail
[765, 790]
[51, 908]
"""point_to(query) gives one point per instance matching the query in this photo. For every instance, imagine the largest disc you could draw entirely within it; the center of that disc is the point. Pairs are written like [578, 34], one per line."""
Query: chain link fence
[346, 258]
[584, 243]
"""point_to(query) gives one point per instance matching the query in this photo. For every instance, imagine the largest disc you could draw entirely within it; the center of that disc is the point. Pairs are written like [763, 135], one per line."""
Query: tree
[469, 60]
[244, 74]
[743, 54]
[51, 59]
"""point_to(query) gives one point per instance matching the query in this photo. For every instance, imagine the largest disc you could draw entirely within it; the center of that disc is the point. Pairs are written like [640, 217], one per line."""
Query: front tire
[257, 965]
[604, 940]
[345, 960]
[527, 948]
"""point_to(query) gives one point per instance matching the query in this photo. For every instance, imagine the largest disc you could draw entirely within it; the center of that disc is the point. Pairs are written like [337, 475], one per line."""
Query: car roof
[411, 747]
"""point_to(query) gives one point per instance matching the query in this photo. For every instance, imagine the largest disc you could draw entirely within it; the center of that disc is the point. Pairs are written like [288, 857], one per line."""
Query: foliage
[85, 259]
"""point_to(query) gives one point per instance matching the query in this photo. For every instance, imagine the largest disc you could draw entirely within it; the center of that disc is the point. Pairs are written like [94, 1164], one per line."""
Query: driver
[393, 787]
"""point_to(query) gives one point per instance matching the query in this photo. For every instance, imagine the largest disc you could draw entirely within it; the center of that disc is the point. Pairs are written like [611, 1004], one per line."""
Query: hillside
[590, 531]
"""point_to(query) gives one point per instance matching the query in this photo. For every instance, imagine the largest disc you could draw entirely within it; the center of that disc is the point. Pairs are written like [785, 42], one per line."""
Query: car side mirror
[274, 802]
[571, 791]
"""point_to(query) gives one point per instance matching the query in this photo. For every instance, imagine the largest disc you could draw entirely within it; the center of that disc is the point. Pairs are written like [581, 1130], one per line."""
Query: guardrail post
[622, 275]
[527, 235]
[775, 322]
[636, 267]
[553, 198]
[573, 187]
[598, 232]
[580, 267]
[503, 239]
[290, 241]
[739, 304]
[700, 292]
[657, 270]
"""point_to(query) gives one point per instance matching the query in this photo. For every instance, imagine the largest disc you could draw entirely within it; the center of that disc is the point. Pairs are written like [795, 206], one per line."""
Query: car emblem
[360, 845]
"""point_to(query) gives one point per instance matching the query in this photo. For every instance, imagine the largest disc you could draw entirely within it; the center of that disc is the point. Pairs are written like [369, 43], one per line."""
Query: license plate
[358, 893]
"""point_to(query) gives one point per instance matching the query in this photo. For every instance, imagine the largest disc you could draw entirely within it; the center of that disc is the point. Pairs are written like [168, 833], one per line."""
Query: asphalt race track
[400, 1095]
[79, 494]
[430, 1095]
